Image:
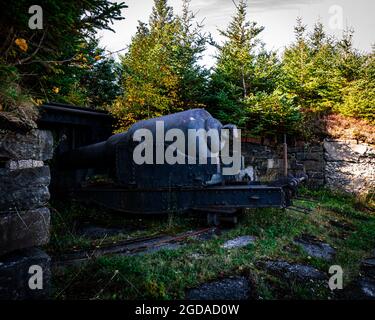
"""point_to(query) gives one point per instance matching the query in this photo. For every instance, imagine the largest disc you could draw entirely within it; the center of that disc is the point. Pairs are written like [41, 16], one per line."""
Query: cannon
[175, 163]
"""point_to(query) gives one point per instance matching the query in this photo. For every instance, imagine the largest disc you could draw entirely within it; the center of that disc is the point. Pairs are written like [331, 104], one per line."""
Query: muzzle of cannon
[186, 165]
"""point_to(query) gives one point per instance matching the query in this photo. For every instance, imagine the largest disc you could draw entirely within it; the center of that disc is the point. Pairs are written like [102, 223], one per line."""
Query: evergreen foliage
[60, 61]
[161, 74]
[261, 91]
[315, 75]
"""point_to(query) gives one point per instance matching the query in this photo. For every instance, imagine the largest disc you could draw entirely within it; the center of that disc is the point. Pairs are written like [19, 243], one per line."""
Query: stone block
[337, 150]
[315, 166]
[351, 177]
[34, 145]
[316, 156]
[315, 175]
[15, 276]
[316, 248]
[234, 288]
[24, 229]
[23, 164]
[315, 183]
[316, 148]
[298, 272]
[24, 189]
[306, 148]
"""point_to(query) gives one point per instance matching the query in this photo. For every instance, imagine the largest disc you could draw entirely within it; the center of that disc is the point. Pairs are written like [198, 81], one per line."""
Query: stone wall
[267, 162]
[350, 166]
[24, 216]
[340, 165]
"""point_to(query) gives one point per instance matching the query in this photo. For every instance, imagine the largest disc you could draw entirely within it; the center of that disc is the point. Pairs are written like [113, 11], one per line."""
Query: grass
[336, 219]
[68, 221]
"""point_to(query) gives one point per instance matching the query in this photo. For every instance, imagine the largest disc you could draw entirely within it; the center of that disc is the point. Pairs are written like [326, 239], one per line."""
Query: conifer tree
[191, 45]
[161, 74]
[233, 75]
[358, 72]
[245, 81]
[235, 61]
[309, 68]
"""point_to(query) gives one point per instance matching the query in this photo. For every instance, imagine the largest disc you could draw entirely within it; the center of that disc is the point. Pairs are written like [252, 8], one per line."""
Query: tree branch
[22, 61]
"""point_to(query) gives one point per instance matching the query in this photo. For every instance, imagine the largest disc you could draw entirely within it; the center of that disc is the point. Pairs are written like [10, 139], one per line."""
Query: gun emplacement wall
[344, 165]
[24, 215]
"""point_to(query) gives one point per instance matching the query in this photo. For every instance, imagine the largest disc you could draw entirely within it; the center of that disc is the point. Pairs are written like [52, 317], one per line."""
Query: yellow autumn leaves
[22, 44]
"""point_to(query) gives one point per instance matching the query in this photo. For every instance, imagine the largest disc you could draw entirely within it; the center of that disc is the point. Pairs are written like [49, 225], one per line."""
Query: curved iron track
[127, 247]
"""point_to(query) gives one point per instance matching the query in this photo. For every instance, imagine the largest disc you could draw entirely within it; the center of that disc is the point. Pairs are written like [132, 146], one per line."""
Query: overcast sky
[277, 16]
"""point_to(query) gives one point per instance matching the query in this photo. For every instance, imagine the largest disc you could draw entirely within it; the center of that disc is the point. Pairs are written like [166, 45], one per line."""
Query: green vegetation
[160, 70]
[315, 76]
[91, 78]
[69, 220]
[249, 86]
[15, 105]
[261, 91]
[61, 62]
[339, 220]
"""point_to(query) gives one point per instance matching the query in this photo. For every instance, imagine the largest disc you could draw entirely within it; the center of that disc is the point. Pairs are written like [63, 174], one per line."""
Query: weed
[335, 219]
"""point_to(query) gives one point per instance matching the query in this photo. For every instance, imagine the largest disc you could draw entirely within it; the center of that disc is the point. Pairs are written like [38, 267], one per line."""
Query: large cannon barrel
[81, 157]
[103, 154]
[117, 153]
[98, 155]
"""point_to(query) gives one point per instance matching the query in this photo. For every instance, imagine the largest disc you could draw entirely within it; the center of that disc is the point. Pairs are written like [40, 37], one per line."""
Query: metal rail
[126, 247]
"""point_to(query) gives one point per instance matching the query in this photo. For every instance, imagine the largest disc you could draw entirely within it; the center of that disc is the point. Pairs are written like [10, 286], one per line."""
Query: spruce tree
[245, 81]
[191, 45]
[161, 74]
[358, 72]
[309, 68]
[232, 79]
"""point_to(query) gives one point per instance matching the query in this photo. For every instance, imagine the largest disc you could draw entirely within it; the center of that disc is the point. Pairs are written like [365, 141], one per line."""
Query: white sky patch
[277, 16]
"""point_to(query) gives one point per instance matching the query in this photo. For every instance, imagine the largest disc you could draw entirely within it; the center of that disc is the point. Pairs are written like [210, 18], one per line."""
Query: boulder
[368, 268]
[234, 288]
[337, 150]
[350, 166]
[239, 242]
[24, 229]
[294, 271]
[366, 288]
[351, 177]
[315, 248]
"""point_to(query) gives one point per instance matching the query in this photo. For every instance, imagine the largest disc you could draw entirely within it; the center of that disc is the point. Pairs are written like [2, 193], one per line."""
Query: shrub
[272, 113]
[16, 108]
